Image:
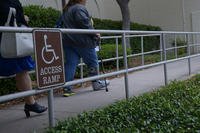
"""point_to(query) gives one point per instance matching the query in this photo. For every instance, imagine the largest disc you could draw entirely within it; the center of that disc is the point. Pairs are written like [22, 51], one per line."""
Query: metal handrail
[124, 71]
[84, 31]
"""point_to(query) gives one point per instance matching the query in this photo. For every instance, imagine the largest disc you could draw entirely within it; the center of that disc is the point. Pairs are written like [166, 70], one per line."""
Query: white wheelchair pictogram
[48, 49]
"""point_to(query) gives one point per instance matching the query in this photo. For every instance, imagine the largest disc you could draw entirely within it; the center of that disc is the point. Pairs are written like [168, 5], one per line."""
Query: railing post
[188, 53]
[125, 65]
[142, 49]
[51, 108]
[117, 53]
[161, 52]
[175, 46]
[81, 62]
[165, 58]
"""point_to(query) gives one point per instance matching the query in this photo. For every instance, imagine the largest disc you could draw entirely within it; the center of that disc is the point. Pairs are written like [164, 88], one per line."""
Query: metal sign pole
[51, 108]
[49, 64]
[125, 65]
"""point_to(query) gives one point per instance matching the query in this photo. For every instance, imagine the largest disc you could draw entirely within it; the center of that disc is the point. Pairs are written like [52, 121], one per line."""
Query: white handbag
[15, 45]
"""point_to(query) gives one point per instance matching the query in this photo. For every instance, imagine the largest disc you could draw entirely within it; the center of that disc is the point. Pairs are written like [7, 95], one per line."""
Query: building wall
[106, 9]
[191, 6]
[164, 13]
[167, 14]
[46, 3]
[173, 15]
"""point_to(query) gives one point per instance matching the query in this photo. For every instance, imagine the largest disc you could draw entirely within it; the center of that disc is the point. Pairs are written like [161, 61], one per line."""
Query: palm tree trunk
[123, 4]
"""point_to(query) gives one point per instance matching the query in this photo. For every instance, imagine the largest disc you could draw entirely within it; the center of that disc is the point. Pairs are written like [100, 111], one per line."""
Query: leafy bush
[107, 51]
[41, 17]
[46, 17]
[117, 25]
[150, 43]
[180, 42]
[7, 86]
[107, 24]
[174, 108]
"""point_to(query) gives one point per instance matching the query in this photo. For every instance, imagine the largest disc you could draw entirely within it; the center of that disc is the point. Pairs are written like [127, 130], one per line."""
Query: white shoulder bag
[15, 45]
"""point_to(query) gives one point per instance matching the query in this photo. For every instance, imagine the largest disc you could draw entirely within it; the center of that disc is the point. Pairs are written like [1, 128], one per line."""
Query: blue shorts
[13, 66]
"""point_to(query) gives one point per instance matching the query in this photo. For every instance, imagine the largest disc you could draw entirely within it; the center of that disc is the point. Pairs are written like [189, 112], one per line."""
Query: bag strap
[11, 11]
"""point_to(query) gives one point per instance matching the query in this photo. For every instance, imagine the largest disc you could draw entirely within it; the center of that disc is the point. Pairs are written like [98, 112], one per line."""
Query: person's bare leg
[23, 83]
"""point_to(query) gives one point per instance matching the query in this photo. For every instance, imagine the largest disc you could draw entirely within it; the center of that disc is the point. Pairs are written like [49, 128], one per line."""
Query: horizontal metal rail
[34, 92]
[23, 29]
[123, 34]
[129, 36]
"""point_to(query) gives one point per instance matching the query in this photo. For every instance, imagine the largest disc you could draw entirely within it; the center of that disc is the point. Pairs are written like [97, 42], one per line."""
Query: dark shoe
[34, 108]
[68, 93]
[99, 84]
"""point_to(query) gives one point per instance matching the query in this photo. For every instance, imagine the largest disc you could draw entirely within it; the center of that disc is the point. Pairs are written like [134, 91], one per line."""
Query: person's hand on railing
[98, 38]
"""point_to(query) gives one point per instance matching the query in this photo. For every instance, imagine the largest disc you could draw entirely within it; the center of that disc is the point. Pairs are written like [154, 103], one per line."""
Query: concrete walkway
[13, 120]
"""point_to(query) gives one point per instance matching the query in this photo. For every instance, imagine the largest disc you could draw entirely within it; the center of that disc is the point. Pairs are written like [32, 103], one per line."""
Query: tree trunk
[123, 4]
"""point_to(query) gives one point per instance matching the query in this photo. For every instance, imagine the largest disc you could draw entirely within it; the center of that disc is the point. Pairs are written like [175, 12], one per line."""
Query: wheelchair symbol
[48, 49]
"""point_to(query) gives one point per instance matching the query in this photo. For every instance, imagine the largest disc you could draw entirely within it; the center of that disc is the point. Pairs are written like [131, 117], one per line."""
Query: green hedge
[7, 86]
[174, 108]
[150, 43]
[107, 51]
[46, 17]
[180, 42]
[41, 17]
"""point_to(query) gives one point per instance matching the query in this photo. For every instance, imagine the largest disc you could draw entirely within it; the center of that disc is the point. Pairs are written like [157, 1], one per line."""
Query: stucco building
[174, 15]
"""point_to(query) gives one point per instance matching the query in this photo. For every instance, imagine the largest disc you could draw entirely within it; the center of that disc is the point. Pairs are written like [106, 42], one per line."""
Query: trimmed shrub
[41, 17]
[150, 43]
[107, 51]
[174, 108]
[47, 17]
[180, 42]
[7, 86]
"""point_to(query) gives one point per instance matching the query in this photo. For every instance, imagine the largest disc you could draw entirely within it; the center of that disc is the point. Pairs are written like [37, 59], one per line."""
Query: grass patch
[174, 108]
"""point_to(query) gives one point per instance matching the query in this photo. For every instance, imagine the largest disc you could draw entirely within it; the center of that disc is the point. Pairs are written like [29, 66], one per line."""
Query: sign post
[49, 58]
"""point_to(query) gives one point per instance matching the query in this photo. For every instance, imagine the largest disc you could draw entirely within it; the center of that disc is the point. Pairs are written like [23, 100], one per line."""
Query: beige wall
[173, 15]
[190, 7]
[168, 14]
[46, 3]
[108, 9]
[164, 13]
